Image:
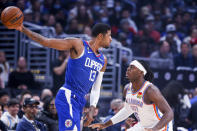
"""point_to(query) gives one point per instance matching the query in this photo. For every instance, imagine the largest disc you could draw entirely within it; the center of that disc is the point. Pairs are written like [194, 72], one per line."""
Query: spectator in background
[37, 98]
[83, 17]
[4, 70]
[3, 127]
[179, 101]
[187, 22]
[28, 122]
[194, 99]
[192, 117]
[61, 17]
[46, 93]
[49, 115]
[172, 38]
[158, 20]
[4, 98]
[103, 16]
[58, 70]
[87, 30]
[184, 58]
[143, 13]
[127, 31]
[51, 21]
[178, 21]
[37, 18]
[10, 118]
[28, 15]
[115, 106]
[20, 4]
[21, 78]
[95, 117]
[72, 27]
[24, 95]
[194, 54]
[59, 31]
[192, 39]
[115, 16]
[126, 15]
[149, 29]
[163, 54]
[143, 46]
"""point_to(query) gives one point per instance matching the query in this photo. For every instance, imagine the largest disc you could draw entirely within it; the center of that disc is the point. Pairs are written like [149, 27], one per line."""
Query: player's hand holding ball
[12, 17]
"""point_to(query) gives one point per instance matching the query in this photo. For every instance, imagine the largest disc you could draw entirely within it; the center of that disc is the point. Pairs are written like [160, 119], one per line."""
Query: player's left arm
[155, 96]
[95, 94]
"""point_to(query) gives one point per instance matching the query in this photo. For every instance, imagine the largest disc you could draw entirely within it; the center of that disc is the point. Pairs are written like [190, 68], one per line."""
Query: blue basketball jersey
[82, 72]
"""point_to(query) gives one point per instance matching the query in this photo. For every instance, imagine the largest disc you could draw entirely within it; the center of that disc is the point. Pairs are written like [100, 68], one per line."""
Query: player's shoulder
[74, 40]
[151, 89]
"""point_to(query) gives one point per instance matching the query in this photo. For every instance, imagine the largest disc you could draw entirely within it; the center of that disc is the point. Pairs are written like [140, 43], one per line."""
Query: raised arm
[155, 96]
[59, 44]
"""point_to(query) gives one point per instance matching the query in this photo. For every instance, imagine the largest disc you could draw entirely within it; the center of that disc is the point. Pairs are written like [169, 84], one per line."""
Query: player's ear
[100, 36]
[141, 72]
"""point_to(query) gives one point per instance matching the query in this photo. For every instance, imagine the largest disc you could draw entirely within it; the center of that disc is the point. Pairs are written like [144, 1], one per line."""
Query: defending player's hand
[99, 126]
[89, 117]
[130, 122]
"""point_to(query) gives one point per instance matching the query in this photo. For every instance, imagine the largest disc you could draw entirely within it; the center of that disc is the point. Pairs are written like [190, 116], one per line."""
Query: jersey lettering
[93, 64]
[134, 102]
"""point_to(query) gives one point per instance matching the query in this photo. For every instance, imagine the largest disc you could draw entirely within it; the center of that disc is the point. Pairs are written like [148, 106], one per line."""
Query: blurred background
[161, 32]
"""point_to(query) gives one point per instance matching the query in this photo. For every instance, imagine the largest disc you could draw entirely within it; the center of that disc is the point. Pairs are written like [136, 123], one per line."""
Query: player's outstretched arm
[123, 114]
[156, 97]
[59, 44]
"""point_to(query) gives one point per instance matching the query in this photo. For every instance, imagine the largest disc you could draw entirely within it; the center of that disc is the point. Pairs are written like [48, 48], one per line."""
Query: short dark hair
[149, 75]
[23, 93]
[47, 102]
[3, 93]
[13, 102]
[100, 28]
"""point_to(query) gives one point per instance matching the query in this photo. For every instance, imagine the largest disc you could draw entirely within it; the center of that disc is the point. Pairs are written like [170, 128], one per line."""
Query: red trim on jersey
[140, 88]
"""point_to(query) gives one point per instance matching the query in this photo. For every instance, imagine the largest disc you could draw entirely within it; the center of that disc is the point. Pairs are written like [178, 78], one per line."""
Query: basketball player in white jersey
[143, 99]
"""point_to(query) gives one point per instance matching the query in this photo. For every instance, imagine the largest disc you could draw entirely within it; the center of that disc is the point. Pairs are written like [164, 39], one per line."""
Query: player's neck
[137, 85]
[94, 46]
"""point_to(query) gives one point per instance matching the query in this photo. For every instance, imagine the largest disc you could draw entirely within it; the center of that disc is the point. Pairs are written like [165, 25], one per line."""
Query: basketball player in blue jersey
[144, 100]
[84, 73]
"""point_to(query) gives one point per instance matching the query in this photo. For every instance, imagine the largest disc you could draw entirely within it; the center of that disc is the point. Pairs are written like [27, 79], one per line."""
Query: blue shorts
[69, 108]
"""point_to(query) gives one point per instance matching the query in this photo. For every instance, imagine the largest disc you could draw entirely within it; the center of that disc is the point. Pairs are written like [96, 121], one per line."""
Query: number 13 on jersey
[92, 75]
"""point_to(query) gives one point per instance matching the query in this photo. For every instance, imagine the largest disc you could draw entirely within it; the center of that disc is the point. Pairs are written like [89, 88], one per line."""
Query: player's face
[132, 73]
[107, 39]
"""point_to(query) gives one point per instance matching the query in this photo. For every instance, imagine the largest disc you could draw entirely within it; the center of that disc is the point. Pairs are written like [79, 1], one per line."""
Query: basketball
[12, 17]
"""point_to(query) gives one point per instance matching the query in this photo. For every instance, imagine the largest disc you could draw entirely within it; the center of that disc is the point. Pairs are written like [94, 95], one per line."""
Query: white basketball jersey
[149, 115]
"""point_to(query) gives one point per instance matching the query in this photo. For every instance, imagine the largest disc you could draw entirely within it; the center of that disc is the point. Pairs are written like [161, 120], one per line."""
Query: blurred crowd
[162, 30]
[156, 29]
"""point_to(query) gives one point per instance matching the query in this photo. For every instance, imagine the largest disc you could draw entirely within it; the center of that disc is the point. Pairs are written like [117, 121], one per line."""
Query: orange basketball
[12, 17]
